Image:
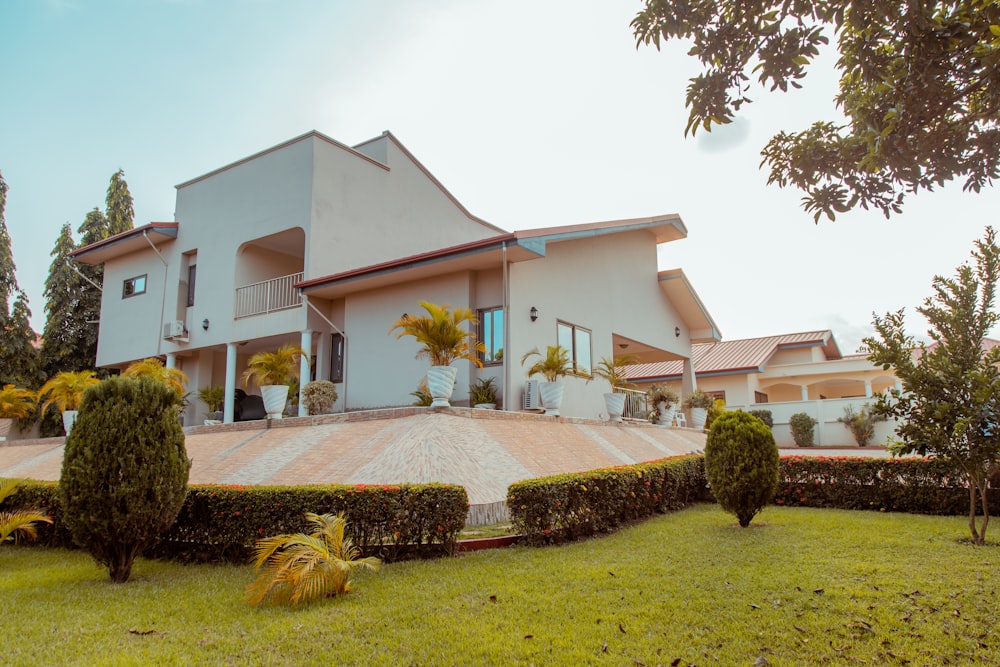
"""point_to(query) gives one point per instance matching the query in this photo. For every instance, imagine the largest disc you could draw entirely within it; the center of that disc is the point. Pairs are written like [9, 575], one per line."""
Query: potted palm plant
[443, 340]
[698, 403]
[553, 365]
[664, 400]
[154, 368]
[65, 391]
[613, 372]
[483, 394]
[272, 372]
[15, 403]
[215, 399]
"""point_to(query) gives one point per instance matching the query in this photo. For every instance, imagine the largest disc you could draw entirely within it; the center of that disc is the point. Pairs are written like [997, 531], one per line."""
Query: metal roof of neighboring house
[126, 242]
[746, 355]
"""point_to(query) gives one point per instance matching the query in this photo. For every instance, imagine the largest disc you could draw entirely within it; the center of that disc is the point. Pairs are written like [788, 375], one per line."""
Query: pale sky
[531, 112]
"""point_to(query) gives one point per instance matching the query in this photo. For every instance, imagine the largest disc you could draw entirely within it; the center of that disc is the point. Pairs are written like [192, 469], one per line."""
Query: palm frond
[441, 334]
[16, 403]
[65, 390]
[20, 523]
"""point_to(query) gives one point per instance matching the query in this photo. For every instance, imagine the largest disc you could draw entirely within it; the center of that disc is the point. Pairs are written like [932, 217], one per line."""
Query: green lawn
[799, 587]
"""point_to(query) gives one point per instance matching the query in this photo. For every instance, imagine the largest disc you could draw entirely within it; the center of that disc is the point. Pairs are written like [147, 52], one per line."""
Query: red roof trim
[111, 240]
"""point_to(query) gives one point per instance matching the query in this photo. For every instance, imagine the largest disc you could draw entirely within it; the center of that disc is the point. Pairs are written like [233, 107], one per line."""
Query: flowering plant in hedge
[564, 507]
[225, 521]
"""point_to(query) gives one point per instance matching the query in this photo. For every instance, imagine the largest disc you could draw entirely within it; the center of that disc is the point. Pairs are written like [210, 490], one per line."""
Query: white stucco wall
[606, 284]
[130, 328]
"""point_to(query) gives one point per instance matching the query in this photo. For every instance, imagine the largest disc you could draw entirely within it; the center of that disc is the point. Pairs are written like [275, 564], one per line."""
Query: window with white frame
[134, 286]
[576, 340]
[491, 335]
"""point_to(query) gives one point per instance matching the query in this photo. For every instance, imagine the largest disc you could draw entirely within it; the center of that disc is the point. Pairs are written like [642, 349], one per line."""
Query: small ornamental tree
[949, 406]
[125, 471]
[741, 464]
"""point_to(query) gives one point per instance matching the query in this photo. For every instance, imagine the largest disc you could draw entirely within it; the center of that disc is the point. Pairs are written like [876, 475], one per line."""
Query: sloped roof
[746, 355]
[125, 242]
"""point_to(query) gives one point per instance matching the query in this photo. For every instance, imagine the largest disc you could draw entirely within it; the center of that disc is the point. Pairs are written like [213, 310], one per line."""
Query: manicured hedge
[221, 522]
[915, 485]
[565, 507]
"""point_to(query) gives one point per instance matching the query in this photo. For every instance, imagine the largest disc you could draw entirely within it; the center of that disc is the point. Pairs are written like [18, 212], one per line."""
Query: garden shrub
[319, 396]
[741, 464]
[125, 470]
[764, 416]
[565, 507]
[912, 484]
[223, 522]
[861, 424]
[802, 429]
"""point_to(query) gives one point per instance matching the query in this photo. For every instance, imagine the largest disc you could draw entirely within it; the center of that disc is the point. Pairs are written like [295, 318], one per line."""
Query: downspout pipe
[506, 328]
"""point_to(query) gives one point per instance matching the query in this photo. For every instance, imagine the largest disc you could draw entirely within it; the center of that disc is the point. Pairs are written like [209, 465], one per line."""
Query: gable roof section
[701, 327]
[747, 355]
[485, 253]
[126, 242]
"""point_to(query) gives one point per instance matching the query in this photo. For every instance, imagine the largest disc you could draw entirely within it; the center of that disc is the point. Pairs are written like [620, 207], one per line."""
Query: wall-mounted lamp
[204, 324]
[534, 313]
[677, 332]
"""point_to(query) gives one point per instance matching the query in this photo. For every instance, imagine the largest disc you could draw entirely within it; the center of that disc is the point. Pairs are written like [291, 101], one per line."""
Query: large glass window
[491, 335]
[576, 340]
[134, 286]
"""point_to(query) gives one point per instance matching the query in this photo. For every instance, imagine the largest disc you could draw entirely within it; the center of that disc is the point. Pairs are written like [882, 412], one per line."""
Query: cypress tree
[741, 464]
[18, 357]
[8, 282]
[67, 342]
[118, 205]
[125, 471]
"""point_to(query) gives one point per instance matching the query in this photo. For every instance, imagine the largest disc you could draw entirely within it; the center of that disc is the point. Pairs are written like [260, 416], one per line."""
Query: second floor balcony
[267, 296]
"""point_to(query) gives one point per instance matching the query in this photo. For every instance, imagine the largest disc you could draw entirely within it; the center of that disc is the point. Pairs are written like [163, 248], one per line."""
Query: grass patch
[799, 587]
[481, 532]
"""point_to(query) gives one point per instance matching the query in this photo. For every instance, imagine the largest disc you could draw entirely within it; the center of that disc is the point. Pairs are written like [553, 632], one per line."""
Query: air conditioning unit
[530, 399]
[174, 329]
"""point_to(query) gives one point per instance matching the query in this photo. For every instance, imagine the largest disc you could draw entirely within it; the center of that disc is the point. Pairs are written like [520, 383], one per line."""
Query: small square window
[134, 286]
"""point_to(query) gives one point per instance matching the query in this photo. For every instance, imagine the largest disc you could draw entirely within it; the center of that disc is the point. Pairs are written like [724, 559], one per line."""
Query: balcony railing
[267, 296]
[636, 404]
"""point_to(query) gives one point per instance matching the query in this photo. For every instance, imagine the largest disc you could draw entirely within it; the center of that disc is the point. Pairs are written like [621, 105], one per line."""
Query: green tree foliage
[919, 88]
[949, 406]
[8, 281]
[301, 568]
[18, 357]
[741, 464]
[69, 343]
[125, 471]
[861, 423]
[119, 209]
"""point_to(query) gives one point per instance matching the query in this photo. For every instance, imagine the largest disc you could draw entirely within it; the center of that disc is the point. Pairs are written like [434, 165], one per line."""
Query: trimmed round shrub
[319, 396]
[741, 464]
[125, 471]
[802, 429]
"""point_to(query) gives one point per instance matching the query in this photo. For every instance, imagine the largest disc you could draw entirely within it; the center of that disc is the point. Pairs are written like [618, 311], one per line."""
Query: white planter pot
[275, 396]
[698, 416]
[551, 394]
[666, 411]
[615, 404]
[441, 384]
[69, 418]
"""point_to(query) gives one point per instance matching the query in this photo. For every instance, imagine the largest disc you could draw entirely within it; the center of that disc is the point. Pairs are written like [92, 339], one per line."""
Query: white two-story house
[324, 245]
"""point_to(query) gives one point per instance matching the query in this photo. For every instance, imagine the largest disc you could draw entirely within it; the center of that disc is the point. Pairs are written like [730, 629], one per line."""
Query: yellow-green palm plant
[65, 390]
[552, 366]
[154, 368]
[441, 334]
[17, 523]
[613, 370]
[273, 368]
[301, 568]
[16, 403]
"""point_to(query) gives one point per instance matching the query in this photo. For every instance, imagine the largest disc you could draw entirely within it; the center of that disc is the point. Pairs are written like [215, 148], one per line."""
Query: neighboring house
[325, 246]
[801, 372]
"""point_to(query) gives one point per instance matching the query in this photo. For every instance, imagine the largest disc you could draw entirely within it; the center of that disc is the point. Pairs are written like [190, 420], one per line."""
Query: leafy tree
[69, 343]
[741, 464]
[949, 406]
[18, 355]
[94, 227]
[120, 212]
[8, 281]
[919, 88]
[125, 471]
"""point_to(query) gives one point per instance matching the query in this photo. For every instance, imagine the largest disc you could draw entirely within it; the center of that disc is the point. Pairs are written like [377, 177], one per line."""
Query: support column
[171, 360]
[227, 411]
[868, 388]
[688, 380]
[805, 392]
[306, 344]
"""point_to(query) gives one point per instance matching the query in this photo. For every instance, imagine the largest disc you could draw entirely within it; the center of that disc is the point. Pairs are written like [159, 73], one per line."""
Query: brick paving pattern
[483, 450]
